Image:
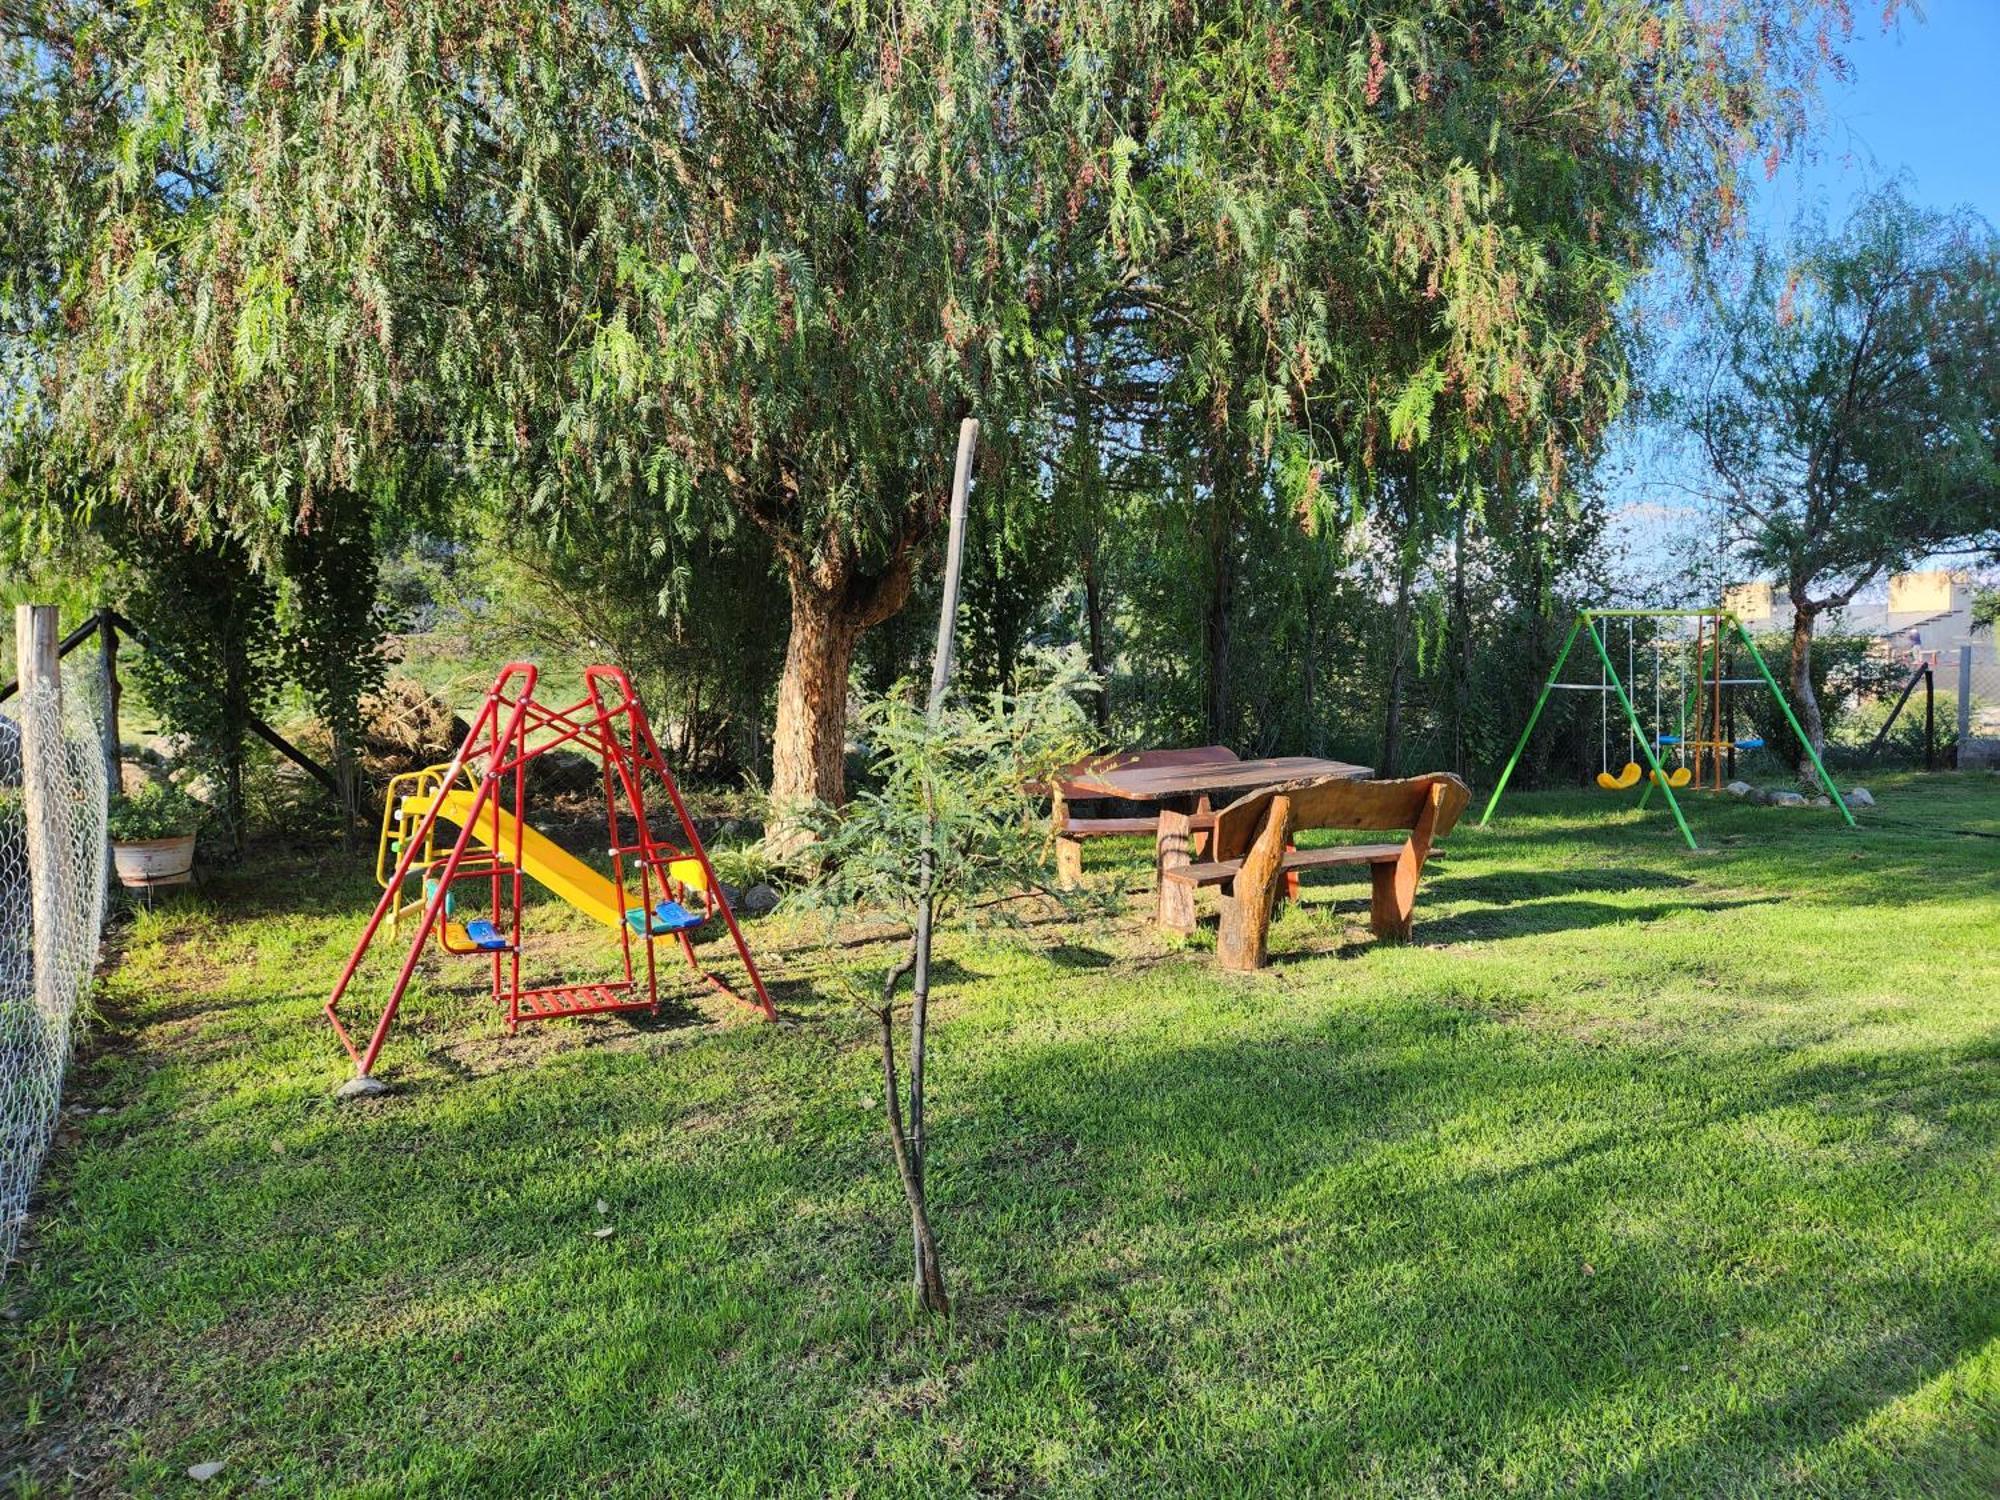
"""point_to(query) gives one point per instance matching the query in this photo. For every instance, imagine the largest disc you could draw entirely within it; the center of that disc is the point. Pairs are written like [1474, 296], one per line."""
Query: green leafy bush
[1847, 671]
[158, 810]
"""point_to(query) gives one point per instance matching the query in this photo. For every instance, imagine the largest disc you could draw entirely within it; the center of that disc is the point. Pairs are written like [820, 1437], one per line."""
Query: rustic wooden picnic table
[1181, 830]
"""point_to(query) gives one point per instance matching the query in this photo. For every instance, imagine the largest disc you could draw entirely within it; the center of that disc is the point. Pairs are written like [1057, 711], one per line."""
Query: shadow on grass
[1303, 1212]
[1502, 886]
[1315, 1176]
[1387, 1244]
[1540, 918]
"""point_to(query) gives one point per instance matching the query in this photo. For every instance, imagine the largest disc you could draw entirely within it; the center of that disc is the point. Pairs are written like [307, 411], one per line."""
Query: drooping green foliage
[650, 265]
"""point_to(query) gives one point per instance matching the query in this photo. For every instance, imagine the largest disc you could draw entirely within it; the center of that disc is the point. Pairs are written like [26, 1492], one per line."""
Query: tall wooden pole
[947, 636]
[35, 639]
[920, 983]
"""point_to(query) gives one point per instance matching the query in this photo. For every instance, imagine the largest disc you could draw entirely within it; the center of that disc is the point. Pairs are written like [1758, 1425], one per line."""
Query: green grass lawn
[1641, 1173]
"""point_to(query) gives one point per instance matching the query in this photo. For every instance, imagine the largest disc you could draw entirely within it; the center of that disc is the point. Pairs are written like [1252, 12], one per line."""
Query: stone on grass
[1739, 789]
[1860, 796]
[1788, 799]
[204, 1471]
[361, 1086]
[759, 899]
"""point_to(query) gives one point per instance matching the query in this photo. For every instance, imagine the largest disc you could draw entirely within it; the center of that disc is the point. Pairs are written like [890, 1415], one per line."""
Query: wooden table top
[1228, 777]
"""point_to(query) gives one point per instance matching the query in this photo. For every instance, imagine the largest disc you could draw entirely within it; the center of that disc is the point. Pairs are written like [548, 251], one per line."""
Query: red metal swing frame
[610, 722]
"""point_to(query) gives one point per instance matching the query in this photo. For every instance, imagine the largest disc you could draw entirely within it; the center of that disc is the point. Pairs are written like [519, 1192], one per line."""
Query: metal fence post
[1964, 693]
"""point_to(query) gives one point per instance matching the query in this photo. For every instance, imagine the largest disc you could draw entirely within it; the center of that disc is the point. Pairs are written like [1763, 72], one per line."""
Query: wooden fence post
[35, 640]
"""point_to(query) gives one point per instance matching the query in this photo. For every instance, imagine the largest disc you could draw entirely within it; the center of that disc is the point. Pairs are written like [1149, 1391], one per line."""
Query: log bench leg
[1069, 863]
[1170, 851]
[1244, 939]
[1393, 905]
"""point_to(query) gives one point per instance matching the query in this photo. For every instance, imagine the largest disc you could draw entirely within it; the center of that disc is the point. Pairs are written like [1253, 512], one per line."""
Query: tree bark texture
[1803, 695]
[833, 606]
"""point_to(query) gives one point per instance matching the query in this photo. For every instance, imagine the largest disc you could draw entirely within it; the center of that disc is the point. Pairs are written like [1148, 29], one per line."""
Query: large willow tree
[695, 266]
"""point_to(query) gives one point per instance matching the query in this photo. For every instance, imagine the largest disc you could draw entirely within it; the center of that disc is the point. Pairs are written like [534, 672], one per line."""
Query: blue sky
[1921, 103]
[1923, 100]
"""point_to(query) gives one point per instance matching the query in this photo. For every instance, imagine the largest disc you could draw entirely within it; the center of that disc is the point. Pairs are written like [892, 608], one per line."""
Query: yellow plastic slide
[545, 861]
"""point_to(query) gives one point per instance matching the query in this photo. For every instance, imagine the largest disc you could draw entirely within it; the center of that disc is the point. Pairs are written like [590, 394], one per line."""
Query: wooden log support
[1248, 900]
[1394, 904]
[1172, 852]
[1069, 849]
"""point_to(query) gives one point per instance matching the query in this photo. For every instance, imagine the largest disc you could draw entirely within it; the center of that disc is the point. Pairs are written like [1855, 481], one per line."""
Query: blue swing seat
[1755, 742]
[486, 936]
[668, 917]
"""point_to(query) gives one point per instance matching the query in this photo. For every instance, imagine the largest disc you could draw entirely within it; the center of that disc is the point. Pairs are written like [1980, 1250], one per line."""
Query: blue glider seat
[485, 935]
[668, 917]
[1755, 742]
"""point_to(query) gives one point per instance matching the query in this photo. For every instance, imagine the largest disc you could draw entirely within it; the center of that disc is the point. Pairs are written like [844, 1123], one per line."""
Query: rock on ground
[1860, 796]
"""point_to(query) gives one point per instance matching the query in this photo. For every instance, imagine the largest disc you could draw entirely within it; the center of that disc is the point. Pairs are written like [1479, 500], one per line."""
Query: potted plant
[152, 835]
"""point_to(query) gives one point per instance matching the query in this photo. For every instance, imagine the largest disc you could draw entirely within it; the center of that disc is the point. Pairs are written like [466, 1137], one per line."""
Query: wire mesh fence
[52, 892]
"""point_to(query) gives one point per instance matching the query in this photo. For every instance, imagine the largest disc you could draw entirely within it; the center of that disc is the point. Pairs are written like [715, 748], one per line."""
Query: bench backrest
[1126, 760]
[1431, 803]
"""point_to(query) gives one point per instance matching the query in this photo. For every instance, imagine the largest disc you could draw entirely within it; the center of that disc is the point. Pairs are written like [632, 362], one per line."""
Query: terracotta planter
[155, 862]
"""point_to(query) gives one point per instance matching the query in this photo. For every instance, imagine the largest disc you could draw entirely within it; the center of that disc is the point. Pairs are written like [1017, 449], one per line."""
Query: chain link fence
[52, 893]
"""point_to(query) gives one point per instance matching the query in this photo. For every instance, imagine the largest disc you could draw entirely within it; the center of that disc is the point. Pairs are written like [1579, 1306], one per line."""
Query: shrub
[158, 810]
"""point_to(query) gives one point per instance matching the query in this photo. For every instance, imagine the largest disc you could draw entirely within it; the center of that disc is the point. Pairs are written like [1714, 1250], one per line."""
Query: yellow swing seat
[1623, 781]
[1678, 777]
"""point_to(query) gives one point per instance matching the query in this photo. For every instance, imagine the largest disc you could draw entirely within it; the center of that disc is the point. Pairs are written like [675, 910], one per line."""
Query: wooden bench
[1252, 857]
[1070, 832]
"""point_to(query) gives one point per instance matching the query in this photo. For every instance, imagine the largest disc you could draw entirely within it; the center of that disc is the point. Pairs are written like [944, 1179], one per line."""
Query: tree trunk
[808, 754]
[1399, 650]
[1093, 618]
[1461, 694]
[929, 1275]
[1220, 606]
[833, 605]
[1803, 696]
[1309, 678]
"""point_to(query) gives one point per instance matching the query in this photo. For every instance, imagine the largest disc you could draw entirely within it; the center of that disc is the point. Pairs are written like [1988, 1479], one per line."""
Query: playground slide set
[543, 860]
[465, 821]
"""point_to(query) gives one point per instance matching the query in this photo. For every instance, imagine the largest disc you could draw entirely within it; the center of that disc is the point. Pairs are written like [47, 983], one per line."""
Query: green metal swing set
[1705, 699]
